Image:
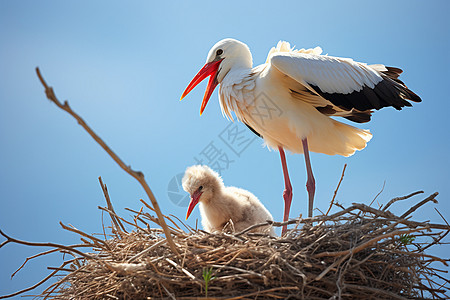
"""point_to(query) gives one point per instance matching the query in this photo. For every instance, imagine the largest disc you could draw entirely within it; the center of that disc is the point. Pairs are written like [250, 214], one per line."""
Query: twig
[443, 261]
[401, 198]
[103, 228]
[262, 292]
[77, 231]
[388, 215]
[355, 206]
[238, 269]
[437, 240]
[118, 225]
[368, 243]
[173, 222]
[192, 277]
[412, 209]
[267, 223]
[35, 285]
[187, 227]
[379, 193]
[60, 269]
[43, 253]
[140, 216]
[68, 248]
[442, 217]
[168, 293]
[336, 190]
[49, 290]
[120, 218]
[377, 291]
[336, 263]
[139, 176]
[145, 251]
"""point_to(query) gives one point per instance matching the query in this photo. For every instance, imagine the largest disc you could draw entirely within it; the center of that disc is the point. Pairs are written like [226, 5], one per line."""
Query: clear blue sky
[124, 66]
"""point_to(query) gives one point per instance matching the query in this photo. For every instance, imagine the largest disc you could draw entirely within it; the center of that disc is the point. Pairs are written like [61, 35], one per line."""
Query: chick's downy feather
[220, 204]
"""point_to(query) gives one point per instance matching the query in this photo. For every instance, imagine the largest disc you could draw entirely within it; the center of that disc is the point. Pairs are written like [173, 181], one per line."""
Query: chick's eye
[200, 188]
[219, 52]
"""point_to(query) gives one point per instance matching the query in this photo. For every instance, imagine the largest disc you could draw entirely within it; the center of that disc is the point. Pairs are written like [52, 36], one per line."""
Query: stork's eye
[219, 52]
[200, 188]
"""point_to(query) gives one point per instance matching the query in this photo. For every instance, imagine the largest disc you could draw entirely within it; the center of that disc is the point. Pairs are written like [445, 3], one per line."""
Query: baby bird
[220, 204]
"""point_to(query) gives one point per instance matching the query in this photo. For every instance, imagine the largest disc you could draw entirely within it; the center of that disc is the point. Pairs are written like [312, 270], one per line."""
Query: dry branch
[70, 249]
[49, 276]
[415, 207]
[336, 190]
[114, 218]
[139, 176]
[401, 198]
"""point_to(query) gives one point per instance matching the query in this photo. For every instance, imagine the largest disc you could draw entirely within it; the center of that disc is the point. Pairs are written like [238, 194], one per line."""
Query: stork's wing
[344, 84]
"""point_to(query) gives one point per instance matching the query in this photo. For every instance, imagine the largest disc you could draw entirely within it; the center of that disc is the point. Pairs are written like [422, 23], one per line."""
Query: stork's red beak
[194, 200]
[210, 69]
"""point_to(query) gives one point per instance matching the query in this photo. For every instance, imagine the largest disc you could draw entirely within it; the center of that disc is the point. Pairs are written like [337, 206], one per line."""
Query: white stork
[220, 204]
[306, 88]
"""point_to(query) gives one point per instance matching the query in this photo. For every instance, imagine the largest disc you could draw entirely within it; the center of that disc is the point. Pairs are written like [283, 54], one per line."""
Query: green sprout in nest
[407, 239]
[207, 276]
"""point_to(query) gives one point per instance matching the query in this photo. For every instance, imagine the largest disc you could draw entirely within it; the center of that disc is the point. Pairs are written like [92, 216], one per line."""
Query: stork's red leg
[287, 193]
[311, 182]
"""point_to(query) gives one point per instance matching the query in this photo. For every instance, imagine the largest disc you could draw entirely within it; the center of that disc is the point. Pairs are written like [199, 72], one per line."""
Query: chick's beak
[194, 200]
[210, 69]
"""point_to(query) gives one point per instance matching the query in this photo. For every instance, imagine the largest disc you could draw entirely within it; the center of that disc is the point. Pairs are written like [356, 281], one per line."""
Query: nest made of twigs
[357, 253]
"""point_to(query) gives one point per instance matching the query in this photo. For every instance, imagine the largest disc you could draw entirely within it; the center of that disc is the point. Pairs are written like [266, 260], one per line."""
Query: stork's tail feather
[342, 139]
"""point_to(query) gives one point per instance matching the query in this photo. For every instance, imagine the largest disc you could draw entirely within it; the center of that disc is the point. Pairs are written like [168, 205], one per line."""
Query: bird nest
[359, 252]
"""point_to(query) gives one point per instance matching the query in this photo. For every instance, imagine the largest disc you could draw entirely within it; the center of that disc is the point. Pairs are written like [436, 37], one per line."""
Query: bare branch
[96, 241]
[68, 248]
[44, 253]
[368, 243]
[401, 198]
[146, 251]
[118, 225]
[139, 176]
[428, 199]
[379, 193]
[36, 285]
[336, 190]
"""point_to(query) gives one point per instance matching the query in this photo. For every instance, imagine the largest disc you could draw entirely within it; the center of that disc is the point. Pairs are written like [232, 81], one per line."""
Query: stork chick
[220, 204]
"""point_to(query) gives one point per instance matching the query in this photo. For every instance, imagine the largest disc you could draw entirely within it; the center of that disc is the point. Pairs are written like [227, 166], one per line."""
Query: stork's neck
[236, 76]
[233, 64]
[236, 91]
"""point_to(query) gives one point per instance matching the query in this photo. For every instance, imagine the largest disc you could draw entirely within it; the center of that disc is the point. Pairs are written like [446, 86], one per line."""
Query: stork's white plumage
[289, 100]
[220, 204]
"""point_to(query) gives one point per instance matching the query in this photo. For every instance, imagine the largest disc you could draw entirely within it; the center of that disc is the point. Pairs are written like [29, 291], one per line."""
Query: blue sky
[124, 66]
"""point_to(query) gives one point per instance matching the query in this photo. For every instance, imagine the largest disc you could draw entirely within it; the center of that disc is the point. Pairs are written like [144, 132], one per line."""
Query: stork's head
[202, 183]
[223, 56]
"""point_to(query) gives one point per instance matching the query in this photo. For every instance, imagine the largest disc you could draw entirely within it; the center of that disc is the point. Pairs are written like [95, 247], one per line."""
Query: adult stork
[306, 88]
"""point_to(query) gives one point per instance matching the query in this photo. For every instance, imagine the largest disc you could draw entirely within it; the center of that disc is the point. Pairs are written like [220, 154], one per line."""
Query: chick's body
[220, 204]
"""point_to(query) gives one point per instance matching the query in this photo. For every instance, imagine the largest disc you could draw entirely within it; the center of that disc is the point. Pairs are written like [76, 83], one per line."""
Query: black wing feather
[253, 130]
[390, 91]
